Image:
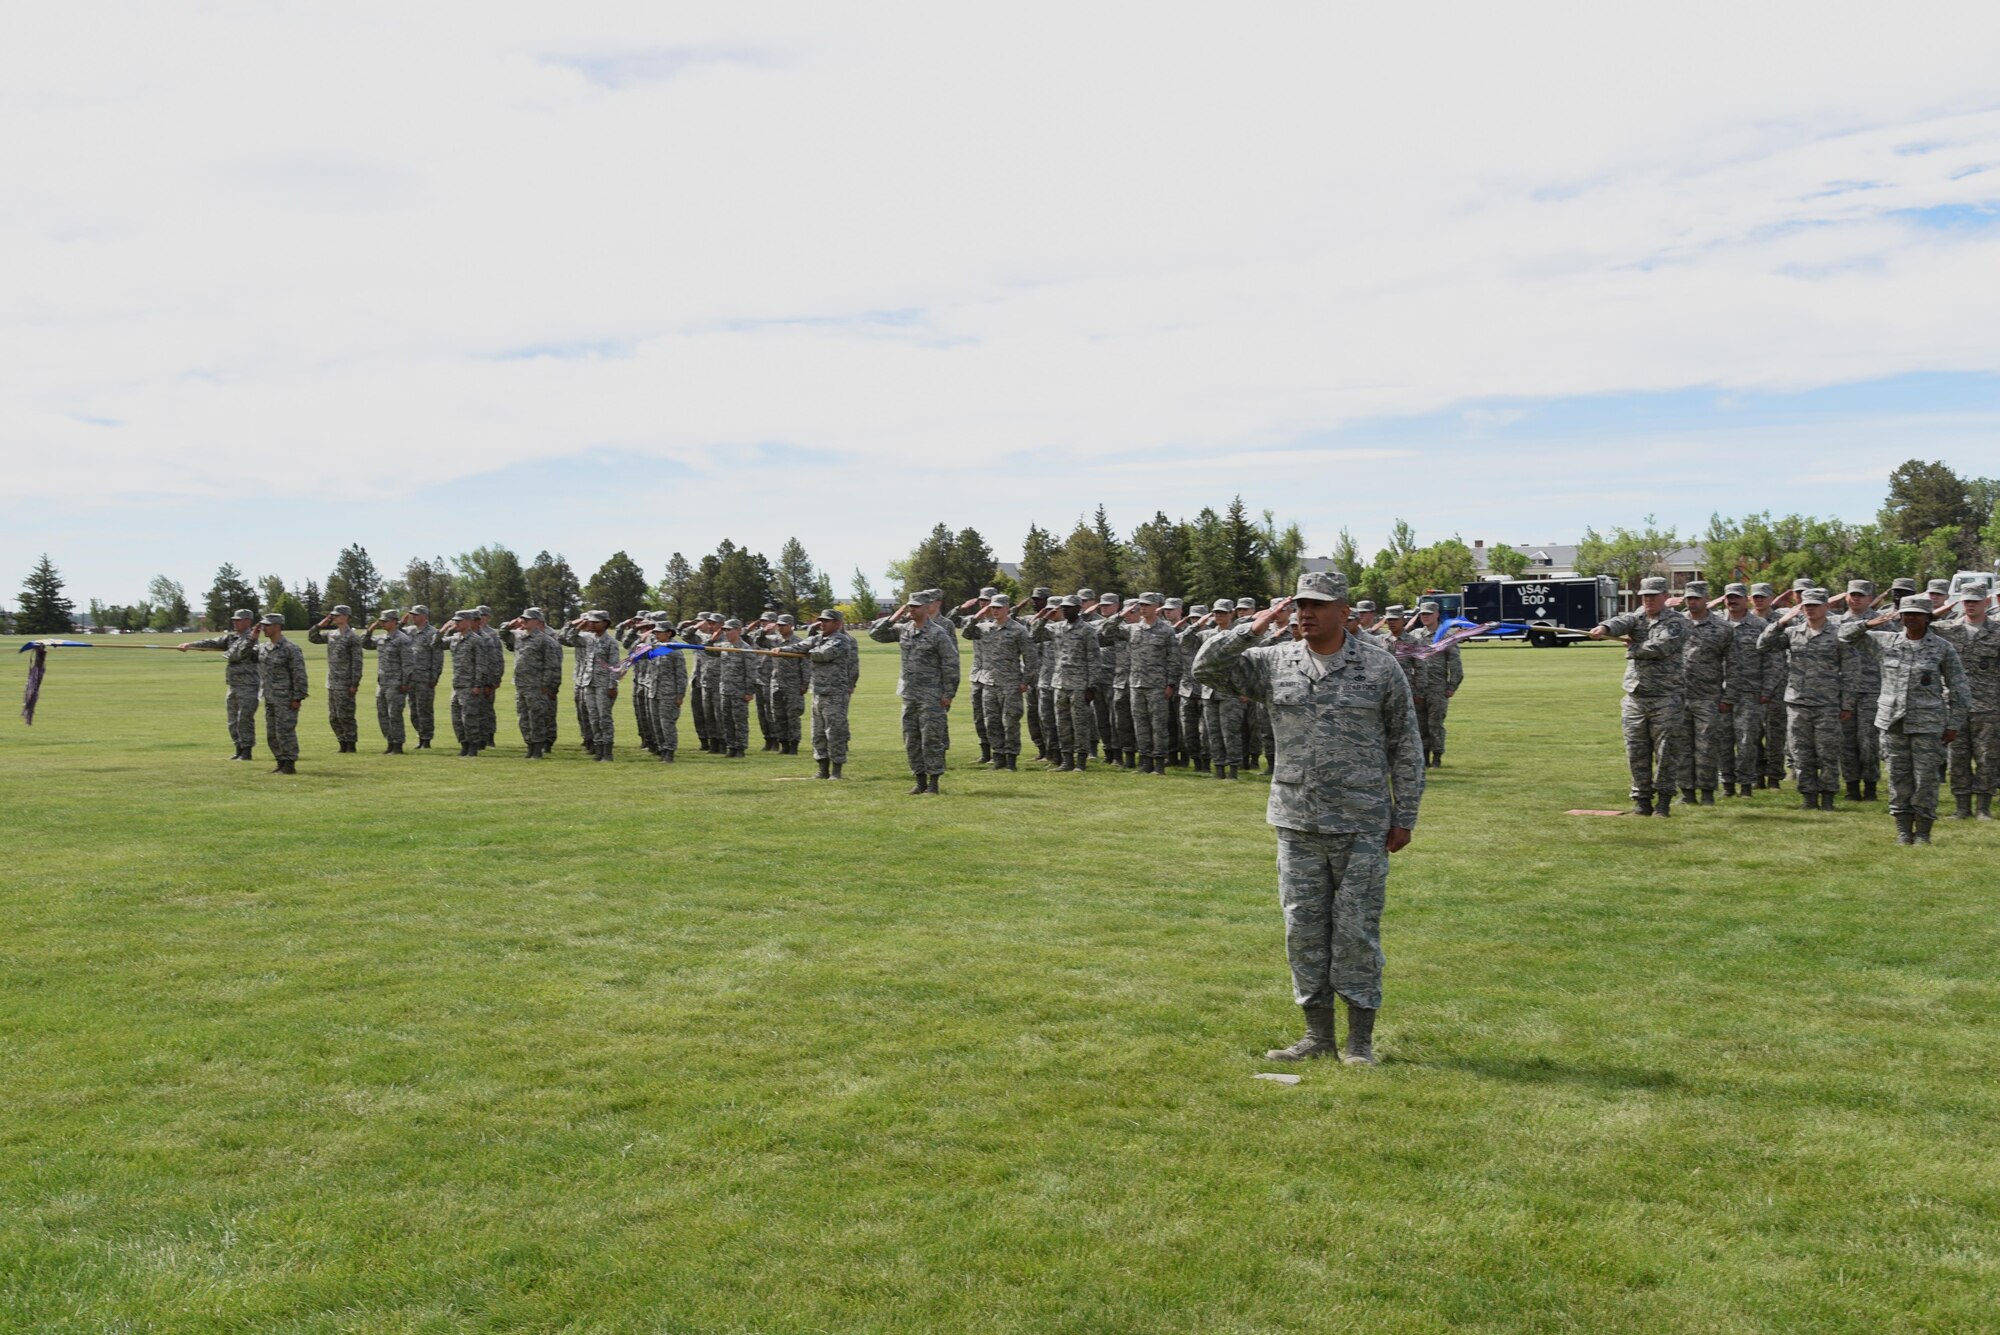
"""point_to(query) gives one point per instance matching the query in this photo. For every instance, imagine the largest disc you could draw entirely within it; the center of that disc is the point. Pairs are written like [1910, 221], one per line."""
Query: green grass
[424, 1043]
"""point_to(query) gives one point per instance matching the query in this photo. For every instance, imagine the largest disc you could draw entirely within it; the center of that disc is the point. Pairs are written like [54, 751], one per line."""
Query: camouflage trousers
[1975, 754]
[718, 711]
[1652, 742]
[666, 721]
[1430, 720]
[583, 719]
[642, 713]
[1258, 738]
[389, 714]
[1193, 744]
[594, 711]
[242, 710]
[535, 712]
[1703, 741]
[340, 714]
[1914, 761]
[1001, 726]
[1812, 741]
[1151, 710]
[1331, 888]
[1045, 709]
[1032, 707]
[423, 711]
[735, 714]
[767, 720]
[1222, 723]
[788, 706]
[1742, 742]
[1861, 743]
[1104, 722]
[1771, 760]
[698, 707]
[980, 691]
[1074, 721]
[464, 719]
[924, 736]
[281, 730]
[1125, 729]
[485, 718]
[829, 724]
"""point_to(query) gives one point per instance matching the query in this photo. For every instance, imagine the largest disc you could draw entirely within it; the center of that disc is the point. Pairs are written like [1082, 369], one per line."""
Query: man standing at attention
[343, 674]
[1654, 639]
[392, 672]
[426, 666]
[1346, 780]
[928, 681]
[1919, 707]
[281, 675]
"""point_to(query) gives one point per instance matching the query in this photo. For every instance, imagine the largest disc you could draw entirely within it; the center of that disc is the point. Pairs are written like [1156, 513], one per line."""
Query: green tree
[228, 592]
[676, 583]
[1346, 559]
[552, 586]
[1038, 558]
[618, 587]
[493, 576]
[1507, 561]
[972, 567]
[930, 564]
[359, 584]
[170, 604]
[1284, 552]
[1208, 559]
[742, 581]
[1925, 497]
[1162, 555]
[1627, 555]
[1443, 566]
[428, 583]
[1245, 547]
[292, 610]
[795, 578]
[1085, 562]
[316, 605]
[1990, 535]
[44, 610]
[863, 604]
[273, 588]
[1939, 555]
[1116, 559]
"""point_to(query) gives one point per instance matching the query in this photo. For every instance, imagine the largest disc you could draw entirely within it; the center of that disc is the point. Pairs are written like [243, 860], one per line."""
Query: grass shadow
[1547, 1071]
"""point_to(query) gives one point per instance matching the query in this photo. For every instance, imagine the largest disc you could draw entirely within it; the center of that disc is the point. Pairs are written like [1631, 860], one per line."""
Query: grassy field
[431, 1044]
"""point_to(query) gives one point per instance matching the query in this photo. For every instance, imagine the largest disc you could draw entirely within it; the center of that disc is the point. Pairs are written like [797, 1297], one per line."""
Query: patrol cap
[933, 595]
[1365, 605]
[1041, 591]
[916, 599]
[271, 619]
[1002, 600]
[661, 620]
[1130, 604]
[1223, 605]
[341, 611]
[391, 614]
[419, 610]
[1696, 588]
[1324, 586]
[988, 591]
[1736, 590]
[1429, 606]
[1918, 603]
[1975, 594]
[1198, 610]
[830, 614]
[243, 614]
[1938, 586]
[787, 619]
[1171, 604]
[1813, 598]
[1801, 584]
[1760, 590]
[1107, 600]
[1246, 604]
[533, 614]
[1086, 596]
[483, 610]
[594, 614]
[1150, 600]
[732, 624]
[1396, 612]
[1903, 585]
[463, 614]
[1652, 584]
[1864, 587]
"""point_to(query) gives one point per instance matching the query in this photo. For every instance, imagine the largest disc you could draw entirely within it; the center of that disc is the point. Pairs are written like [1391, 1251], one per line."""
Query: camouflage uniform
[1771, 746]
[1151, 671]
[1922, 697]
[240, 675]
[836, 671]
[698, 690]
[392, 674]
[1045, 694]
[640, 676]
[787, 690]
[1743, 685]
[426, 666]
[1221, 707]
[596, 685]
[492, 661]
[1704, 669]
[281, 677]
[1193, 744]
[929, 675]
[1348, 768]
[761, 670]
[1813, 667]
[669, 689]
[735, 678]
[1861, 681]
[538, 660]
[1652, 709]
[1432, 681]
[1115, 644]
[718, 708]
[1006, 649]
[1975, 753]
[1071, 649]
[343, 674]
[464, 687]
[1104, 719]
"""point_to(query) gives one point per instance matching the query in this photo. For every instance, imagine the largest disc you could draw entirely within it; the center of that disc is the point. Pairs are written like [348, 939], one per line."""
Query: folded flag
[1455, 631]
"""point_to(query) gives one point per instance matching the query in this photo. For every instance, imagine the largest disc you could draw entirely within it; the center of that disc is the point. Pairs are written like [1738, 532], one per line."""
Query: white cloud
[298, 244]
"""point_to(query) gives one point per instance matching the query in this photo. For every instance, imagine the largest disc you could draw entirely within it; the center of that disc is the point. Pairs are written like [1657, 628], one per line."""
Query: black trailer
[1552, 612]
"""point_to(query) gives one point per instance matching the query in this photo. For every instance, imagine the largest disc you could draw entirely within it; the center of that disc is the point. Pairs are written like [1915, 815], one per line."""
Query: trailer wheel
[1542, 639]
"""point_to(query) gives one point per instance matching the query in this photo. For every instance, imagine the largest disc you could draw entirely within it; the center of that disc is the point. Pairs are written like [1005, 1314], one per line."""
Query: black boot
[1220, 771]
[1666, 805]
[837, 774]
[1854, 790]
[288, 767]
[1826, 801]
[986, 753]
[920, 787]
[1081, 763]
[1687, 796]
[1642, 804]
[423, 743]
[1438, 756]
[1728, 788]
[825, 770]
[1905, 834]
[1985, 804]
[1322, 1038]
[1868, 791]
[1232, 771]
[1809, 801]
[1062, 765]
[934, 783]
[1131, 760]
[1963, 807]
[1923, 827]
[464, 748]
[1360, 1037]
[395, 749]
[1708, 797]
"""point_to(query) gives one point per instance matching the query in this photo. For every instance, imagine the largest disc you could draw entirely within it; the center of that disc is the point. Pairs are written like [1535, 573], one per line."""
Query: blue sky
[646, 279]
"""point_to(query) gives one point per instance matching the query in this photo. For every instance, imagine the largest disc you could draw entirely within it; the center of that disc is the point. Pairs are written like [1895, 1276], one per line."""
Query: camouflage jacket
[1813, 660]
[1008, 649]
[1349, 752]
[1923, 683]
[735, 674]
[836, 663]
[537, 661]
[1744, 670]
[492, 658]
[1979, 652]
[786, 674]
[426, 656]
[1115, 645]
[464, 659]
[1197, 640]
[668, 672]
[392, 659]
[1152, 655]
[1073, 647]
[281, 672]
[1705, 656]
[1860, 671]
[1100, 670]
[1653, 651]
[1440, 674]
[239, 654]
[343, 656]
[929, 657]
[597, 658]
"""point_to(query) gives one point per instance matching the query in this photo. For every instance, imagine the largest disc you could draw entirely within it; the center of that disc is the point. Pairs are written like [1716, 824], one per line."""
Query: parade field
[423, 1043]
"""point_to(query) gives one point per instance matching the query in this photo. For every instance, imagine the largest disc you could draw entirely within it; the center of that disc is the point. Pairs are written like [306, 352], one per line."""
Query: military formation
[1826, 688]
